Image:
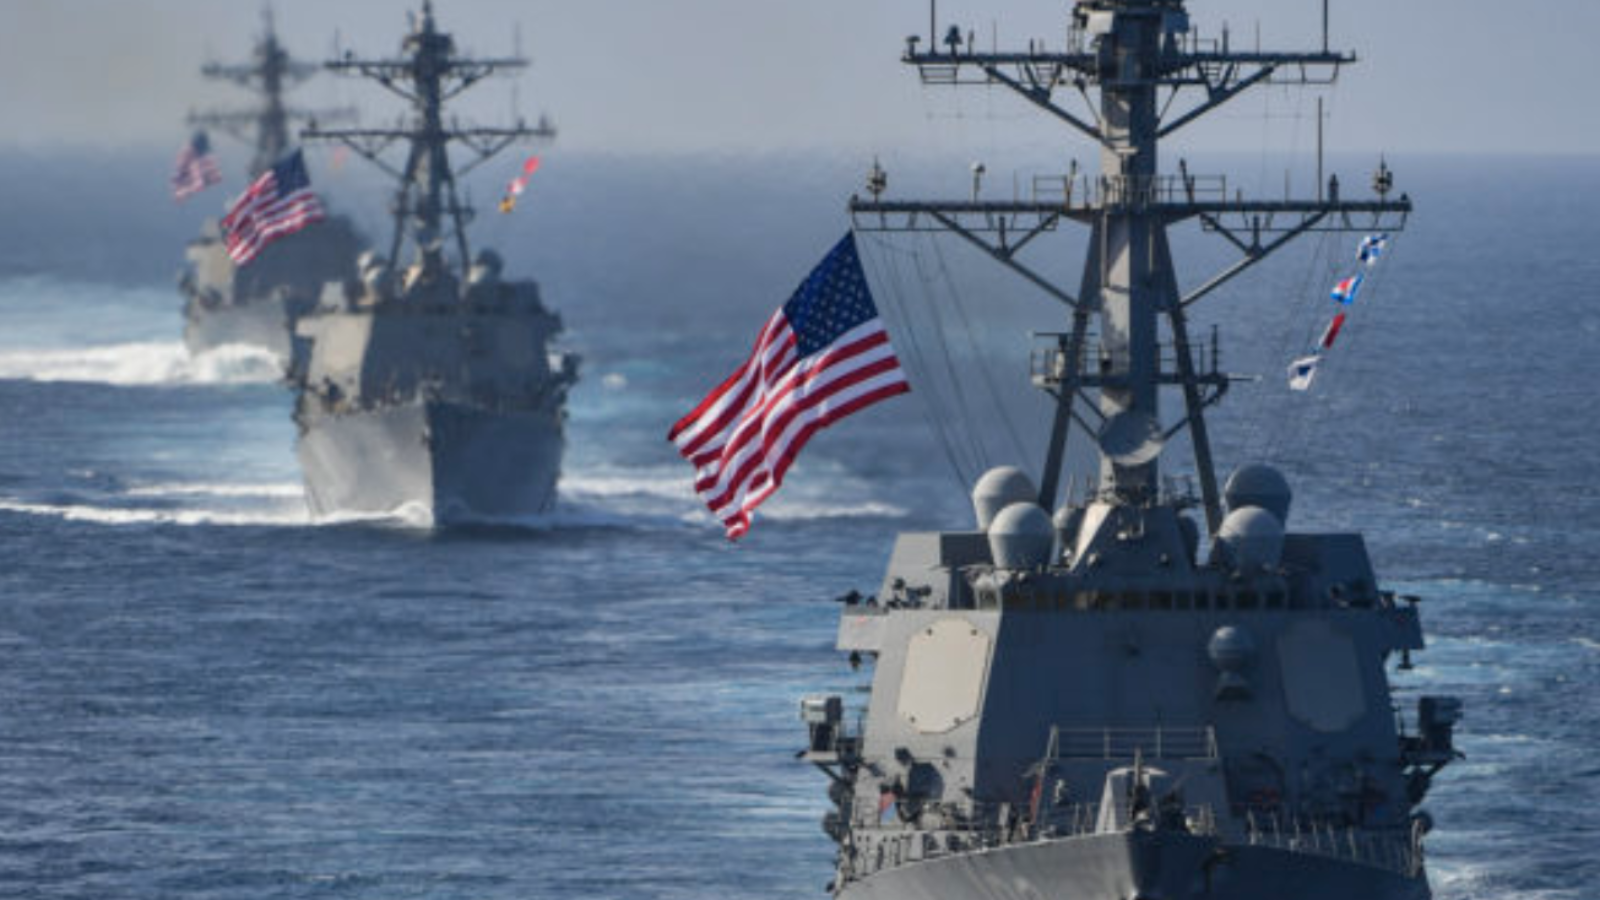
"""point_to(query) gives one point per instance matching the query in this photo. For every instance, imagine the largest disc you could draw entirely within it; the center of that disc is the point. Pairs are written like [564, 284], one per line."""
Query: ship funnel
[1259, 485]
[999, 488]
[1021, 537]
[1250, 539]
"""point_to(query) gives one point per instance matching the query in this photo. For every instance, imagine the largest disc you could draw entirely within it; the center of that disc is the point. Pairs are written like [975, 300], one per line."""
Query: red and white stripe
[260, 217]
[1331, 333]
[746, 434]
[194, 173]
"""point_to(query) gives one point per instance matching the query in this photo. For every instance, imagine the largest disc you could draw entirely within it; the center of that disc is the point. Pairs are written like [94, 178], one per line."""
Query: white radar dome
[999, 488]
[1259, 485]
[1021, 537]
[1250, 539]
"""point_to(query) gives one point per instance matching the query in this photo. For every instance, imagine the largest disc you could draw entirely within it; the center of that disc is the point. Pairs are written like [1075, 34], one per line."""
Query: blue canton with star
[833, 299]
[289, 174]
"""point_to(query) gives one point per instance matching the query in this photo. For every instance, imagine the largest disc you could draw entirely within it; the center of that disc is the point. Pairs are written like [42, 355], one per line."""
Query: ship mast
[426, 75]
[1153, 76]
[270, 74]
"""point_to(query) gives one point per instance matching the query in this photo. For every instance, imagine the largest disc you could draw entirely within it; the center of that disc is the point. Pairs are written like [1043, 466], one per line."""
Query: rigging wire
[1360, 377]
[1292, 427]
[1290, 339]
[964, 405]
[973, 345]
[932, 404]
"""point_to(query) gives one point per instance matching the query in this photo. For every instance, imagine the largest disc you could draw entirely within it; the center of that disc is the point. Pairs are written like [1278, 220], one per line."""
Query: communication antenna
[1319, 149]
[429, 205]
[270, 74]
[1128, 284]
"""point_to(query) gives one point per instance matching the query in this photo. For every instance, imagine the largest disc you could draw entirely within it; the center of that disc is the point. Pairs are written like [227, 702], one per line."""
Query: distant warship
[257, 304]
[431, 388]
[1082, 706]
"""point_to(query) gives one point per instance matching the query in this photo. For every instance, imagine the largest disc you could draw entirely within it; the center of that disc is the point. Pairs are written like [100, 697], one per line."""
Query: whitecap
[288, 490]
[286, 515]
[144, 363]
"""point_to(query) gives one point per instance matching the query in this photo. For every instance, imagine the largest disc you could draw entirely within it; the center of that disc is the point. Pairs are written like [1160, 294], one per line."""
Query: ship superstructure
[431, 388]
[257, 304]
[1076, 700]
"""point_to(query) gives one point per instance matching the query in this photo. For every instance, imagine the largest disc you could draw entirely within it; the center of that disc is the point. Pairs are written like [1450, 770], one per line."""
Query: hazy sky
[676, 76]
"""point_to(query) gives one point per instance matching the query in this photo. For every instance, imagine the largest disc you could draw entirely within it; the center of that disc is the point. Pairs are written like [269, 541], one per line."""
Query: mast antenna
[270, 74]
[1129, 52]
[429, 207]
[1319, 149]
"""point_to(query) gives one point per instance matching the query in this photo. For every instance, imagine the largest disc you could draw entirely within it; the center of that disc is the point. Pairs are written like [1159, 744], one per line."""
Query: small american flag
[196, 168]
[277, 204]
[822, 356]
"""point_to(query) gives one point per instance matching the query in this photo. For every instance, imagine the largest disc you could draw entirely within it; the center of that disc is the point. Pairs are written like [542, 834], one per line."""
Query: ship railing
[1048, 361]
[1391, 850]
[1085, 191]
[941, 830]
[1150, 190]
[1159, 742]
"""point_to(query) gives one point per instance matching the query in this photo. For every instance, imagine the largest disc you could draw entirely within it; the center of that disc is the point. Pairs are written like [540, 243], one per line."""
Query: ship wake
[146, 363]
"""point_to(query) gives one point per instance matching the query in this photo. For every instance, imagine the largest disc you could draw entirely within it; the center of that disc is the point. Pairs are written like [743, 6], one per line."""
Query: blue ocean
[204, 694]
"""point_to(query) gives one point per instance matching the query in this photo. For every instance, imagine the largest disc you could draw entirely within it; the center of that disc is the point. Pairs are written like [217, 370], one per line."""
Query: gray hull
[257, 304]
[1136, 867]
[453, 463]
[263, 323]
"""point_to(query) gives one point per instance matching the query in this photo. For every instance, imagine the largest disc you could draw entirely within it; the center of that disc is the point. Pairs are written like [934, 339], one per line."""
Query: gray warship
[257, 304]
[431, 389]
[1144, 692]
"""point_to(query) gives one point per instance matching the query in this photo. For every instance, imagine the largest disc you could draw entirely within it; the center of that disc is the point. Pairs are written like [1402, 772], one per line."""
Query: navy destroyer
[430, 389]
[257, 304]
[1143, 692]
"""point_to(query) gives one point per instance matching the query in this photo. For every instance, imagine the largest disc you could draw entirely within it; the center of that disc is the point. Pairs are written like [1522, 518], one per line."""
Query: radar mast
[428, 73]
[1142, 75]
[270, 73]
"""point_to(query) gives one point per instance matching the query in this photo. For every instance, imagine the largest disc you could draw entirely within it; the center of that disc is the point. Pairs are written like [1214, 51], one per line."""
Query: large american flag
[196, 168]
[822, 356]
[277, 203]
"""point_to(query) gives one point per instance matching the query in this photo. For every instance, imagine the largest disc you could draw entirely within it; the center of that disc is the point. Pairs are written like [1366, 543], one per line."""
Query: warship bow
[431, 389]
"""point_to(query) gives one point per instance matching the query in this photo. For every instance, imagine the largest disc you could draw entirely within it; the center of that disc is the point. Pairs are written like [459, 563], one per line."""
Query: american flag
[278, 203]
[196, 168]
[822, 356]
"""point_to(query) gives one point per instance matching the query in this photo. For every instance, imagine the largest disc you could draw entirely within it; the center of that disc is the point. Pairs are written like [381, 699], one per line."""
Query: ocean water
[205, 694]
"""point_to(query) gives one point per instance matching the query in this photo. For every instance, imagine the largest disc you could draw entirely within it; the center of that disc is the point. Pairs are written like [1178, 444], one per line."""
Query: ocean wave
[143, 363]
[660, 499]
[288, 490]
[795, 503]
[119, 516]
[674, 484]
[806, 511]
